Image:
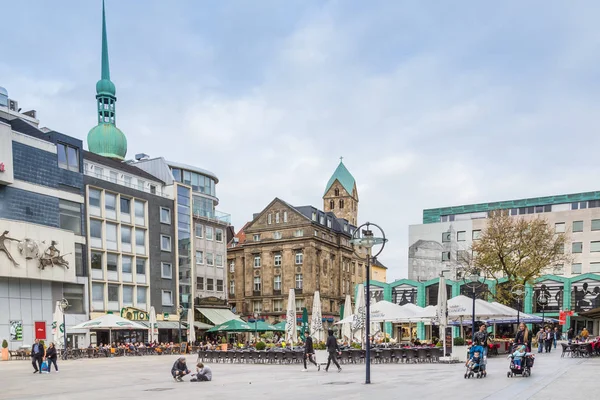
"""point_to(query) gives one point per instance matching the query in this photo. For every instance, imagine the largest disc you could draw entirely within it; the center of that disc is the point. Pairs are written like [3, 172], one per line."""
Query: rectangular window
[232, 266]
[209, 259]
[140, 241]
[594, 247]
[98, 293]
[219, 235]
[559, 227]
[70, 216]
[461, 236]
[97, 265]
[219, 260]
[276, 218]
[113, 293]
[299, 258]
[576, 268]
[68, 157]
[141, 296]
[256, 238]
[126, 269]
[199, 257]
[257, 284]
[445, 256]
[112, 261]
[127, 296]
[99, 172]
[257, 306]
[165, 215]
[298, 281]
[127, 180]
[94, 202]
[446, 237]
[113, 176]
[298, 233]
[200, 283]
[110, 205]
[141, 184]
[140, 270]
[209, 233]
[166, 271]
[74, 295]
[285, 219]
[277, 260]
[256, 261]
[199, 230]
[314, 216]
[269, 219]
[125, 209]
[277, 282]
[210, 284]
[111, 237]
[477, 234]
[165, 243]
[79, 269]
[277, 235]
[231, 287]
[277, 305]
[577, 226]
[577, 247]
[96, 233]
[595, 267]
[299, 304]
[167, 298]
[596, 224]
[329, 222]
[126, 239]
[140, 213]
[219, 285]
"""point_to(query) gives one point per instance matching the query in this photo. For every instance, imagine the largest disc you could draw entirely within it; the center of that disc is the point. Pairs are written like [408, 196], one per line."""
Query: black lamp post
[180, 311]
[363, 238]
[543, 301]
[518, 291]
[64, 304]
[473, 280]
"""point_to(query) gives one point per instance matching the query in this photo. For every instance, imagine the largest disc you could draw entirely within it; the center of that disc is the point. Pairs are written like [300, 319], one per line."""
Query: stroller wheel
[508, 374]
[465, 376]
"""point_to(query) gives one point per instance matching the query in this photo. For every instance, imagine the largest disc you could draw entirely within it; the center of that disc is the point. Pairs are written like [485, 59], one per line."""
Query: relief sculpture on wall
[30, 249]
[3, 238]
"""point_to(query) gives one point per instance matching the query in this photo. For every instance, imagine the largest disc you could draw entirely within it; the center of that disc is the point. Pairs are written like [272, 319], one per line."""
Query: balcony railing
[215, 216]
[157, 191]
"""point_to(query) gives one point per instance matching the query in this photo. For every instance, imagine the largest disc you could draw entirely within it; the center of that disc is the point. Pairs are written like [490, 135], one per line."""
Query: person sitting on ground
[203, 373]
[179, 369]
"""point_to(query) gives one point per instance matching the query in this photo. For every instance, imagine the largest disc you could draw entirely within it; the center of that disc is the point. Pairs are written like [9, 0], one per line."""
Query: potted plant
[261, 346]
[223, 344]
[4, 350]
[459, 349]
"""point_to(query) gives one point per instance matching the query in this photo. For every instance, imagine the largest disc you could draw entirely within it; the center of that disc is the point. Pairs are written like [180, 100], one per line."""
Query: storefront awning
[202, 325]
[218, 316]
[594, 313]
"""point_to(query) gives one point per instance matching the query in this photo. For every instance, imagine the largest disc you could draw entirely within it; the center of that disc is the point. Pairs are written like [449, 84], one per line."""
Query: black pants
[311, 358]
[36, 361]
[332, 357]
[50, 362]
[176, 373]
[548, 345]
[201, 378]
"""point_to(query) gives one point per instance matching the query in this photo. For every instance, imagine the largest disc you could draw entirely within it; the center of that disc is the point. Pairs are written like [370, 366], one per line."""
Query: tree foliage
[519, 249]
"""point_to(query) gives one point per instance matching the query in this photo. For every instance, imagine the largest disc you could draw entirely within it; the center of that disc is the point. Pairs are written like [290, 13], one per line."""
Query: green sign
[166, 316]
[16, 331]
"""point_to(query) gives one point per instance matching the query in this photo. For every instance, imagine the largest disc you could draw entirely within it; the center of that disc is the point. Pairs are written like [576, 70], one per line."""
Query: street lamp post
[363, 237]
[64, 304]
[255, 327]
[473, 280]
[543, 301]
[180, 311]
[519, 292]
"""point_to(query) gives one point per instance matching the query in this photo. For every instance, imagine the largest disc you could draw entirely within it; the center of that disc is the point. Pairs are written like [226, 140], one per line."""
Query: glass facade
[184, 221]
[198, 182]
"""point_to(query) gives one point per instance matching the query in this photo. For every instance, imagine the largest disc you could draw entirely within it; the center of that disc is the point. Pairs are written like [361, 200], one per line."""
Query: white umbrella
[442, 311]
[153, 330]
[110, 322]
[316, 320]
[347, 329]
[58, 328]
[358, 322]
[291, 333]
[191, 333]
[461, 307]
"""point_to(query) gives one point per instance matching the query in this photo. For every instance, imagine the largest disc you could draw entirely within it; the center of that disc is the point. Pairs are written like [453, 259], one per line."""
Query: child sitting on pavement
[203, 373]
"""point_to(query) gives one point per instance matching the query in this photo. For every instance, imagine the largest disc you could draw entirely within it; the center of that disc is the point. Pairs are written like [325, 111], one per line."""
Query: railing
[215, 216]
[129, 185]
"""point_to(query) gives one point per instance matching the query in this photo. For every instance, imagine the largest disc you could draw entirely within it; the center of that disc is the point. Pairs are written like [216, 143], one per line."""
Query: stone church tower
[341, 195]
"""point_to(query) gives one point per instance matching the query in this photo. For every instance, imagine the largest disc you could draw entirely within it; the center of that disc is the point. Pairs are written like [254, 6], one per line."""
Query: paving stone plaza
[149, 378]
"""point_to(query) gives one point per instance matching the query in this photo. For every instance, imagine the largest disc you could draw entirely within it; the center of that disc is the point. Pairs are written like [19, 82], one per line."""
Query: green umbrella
[304, 322]
[262, 326]
[281, 326]
[235, 325]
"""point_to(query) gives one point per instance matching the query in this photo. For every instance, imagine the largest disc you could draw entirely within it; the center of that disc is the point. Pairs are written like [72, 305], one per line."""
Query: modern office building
[437, 243]
[42, 235]
[302, 248]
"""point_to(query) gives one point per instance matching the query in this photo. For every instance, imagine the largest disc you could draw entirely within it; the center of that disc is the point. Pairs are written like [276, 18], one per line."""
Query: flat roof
[432, 215]
[193, 169]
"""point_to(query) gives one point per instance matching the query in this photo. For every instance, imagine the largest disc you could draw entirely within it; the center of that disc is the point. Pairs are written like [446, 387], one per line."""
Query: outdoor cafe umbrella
[58, 328]
[280, 326]
[191, 331]
[234, 325]
[346, 328]
[153, 330]
[358, 320]
[110, 322]
[291, 333]
[442, 311]
[316, 321]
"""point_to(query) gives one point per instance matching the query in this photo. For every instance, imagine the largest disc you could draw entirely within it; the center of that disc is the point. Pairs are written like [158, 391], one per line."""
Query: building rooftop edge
[193, 169]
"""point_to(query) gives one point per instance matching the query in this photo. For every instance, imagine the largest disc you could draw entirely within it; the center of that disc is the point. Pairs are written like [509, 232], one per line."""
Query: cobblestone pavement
[149, 378]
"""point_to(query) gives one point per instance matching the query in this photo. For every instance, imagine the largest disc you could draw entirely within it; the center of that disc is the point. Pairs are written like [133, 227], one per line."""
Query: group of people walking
[333, 350]
[39, 354]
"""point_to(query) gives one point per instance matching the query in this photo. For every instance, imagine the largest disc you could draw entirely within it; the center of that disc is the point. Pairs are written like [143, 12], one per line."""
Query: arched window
[341, 203]
[337, 192]
[331, 204]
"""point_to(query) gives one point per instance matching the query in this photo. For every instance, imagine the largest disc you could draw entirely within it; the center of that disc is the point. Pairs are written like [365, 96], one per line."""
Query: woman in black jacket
[523, 336]
[51, 356]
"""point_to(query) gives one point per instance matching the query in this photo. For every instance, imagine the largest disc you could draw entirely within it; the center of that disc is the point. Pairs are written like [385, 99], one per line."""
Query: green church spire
[106, 139]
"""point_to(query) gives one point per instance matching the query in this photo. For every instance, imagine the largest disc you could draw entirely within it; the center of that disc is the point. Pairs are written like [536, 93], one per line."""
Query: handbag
[45, 367]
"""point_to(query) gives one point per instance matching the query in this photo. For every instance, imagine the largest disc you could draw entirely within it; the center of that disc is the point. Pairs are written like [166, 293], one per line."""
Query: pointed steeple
[106, 139]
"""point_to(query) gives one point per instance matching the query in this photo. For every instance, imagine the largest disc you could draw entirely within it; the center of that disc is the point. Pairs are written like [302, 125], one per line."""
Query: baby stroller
[524, 369]
[476, 369]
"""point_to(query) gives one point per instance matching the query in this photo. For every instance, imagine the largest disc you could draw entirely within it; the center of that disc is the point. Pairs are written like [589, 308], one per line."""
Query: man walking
[541, 338]
[309, 352]
[556, 336]
[549, 340]
[37, 354]
[333, 349]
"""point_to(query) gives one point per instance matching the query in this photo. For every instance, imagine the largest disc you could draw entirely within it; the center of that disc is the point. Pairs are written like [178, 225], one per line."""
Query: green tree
[517, 248]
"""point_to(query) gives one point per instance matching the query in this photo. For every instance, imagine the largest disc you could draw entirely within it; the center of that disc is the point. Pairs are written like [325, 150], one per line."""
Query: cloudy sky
[430, 103]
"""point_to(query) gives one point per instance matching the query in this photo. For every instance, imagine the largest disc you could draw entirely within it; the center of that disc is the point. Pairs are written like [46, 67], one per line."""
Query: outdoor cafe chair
[226, 356]
[278, 356]
[411, 355]
[385, 356]
[422, 355]
[566, 349]
[288, 357]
